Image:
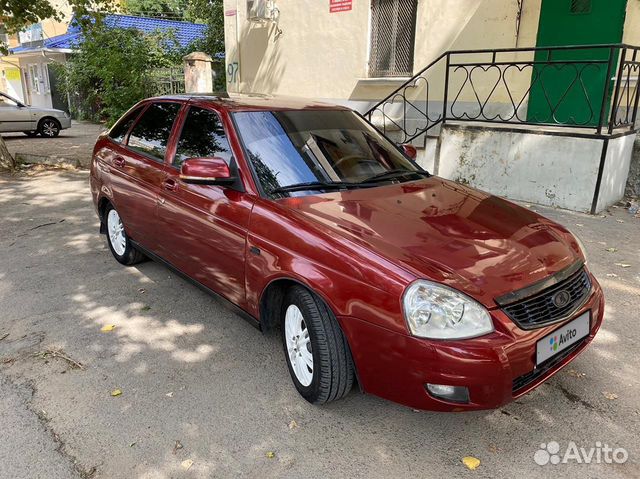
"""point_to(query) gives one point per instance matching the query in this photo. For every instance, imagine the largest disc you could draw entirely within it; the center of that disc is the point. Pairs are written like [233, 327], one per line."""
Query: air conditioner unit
[260, 10]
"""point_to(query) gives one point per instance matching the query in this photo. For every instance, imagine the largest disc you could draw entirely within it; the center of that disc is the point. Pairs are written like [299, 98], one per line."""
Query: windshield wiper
[314, 185]
[396, 173]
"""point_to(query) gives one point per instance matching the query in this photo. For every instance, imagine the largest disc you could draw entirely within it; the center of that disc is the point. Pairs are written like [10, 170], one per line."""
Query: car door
[204, 227]
[14, 116]
[138, 169]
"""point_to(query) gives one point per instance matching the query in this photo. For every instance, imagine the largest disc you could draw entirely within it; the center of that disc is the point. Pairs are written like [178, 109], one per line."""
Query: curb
[22, 158]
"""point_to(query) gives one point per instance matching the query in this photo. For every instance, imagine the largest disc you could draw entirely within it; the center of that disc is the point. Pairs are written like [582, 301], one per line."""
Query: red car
[304, 217]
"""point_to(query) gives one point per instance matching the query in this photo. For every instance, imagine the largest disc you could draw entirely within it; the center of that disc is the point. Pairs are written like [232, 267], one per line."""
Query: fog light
[449, 393]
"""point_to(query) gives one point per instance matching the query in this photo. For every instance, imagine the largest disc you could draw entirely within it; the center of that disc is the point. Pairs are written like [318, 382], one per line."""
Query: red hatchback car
[306, 218]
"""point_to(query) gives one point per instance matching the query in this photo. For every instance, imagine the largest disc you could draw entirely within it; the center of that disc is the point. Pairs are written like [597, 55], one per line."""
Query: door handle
[119, 162]
[169, 185]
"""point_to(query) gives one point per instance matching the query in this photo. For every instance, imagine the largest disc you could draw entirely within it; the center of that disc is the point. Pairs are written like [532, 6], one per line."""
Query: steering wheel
[347, 158]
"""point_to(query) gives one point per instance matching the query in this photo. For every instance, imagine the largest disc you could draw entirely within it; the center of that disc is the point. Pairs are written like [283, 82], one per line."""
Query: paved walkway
[200, 384]
[74, 146]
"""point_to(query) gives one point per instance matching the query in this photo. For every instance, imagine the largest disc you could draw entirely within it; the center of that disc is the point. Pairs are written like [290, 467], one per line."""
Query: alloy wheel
[115, 230]
[298, 345]
[50, 128]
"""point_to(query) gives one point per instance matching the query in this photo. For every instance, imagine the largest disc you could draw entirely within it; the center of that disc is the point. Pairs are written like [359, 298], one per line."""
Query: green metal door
[571, 92]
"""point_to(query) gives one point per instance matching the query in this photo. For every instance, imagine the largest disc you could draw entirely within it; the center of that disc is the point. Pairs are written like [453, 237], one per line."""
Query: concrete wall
[544, 169]
[616, 170]
[633, 181]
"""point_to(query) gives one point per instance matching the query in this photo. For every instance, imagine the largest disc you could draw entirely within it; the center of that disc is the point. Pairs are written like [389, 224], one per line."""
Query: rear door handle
[119, 162]
[169, 185]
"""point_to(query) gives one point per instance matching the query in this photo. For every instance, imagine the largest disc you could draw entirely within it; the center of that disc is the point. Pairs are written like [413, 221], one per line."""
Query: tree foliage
[111, 69]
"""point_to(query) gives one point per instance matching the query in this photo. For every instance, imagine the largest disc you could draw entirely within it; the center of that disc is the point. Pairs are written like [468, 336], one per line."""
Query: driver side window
[202, 136]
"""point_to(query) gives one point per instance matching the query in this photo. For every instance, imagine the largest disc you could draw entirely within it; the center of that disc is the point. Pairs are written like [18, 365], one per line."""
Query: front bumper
[496, 368]
[65, 122]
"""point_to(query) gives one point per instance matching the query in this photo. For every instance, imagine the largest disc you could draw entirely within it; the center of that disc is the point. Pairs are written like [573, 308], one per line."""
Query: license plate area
[563, 338]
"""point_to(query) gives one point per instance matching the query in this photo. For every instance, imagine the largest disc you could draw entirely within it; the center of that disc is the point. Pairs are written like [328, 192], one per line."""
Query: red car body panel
[358, 250]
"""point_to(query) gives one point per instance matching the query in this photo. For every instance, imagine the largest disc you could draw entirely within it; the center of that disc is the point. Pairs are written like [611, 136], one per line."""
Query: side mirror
[410, 151]
[206, 171]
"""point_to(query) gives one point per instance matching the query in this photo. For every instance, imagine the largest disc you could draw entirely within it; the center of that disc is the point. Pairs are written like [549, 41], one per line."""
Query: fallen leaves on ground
[169, 394]
[293, 424]
[142, 290]
[610, 396]
[146, 307]
[270, 454]
[108, 328]
[471, 462]
[612, 275]
[576, 374]
[612, 250]
[177, 446]
[116, 392]
[186, 464]
[623, 265]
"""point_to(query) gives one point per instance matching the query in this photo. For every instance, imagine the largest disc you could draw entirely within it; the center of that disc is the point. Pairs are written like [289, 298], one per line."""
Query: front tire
[119, 244]
[49, 127]
[316, 350]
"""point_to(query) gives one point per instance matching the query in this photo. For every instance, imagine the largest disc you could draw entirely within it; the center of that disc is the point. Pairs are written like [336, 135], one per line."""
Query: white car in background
[16, 116]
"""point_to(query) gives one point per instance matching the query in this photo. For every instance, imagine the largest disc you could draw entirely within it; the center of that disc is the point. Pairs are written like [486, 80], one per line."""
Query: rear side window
[202, 137]
[151, 134]
[119, 131]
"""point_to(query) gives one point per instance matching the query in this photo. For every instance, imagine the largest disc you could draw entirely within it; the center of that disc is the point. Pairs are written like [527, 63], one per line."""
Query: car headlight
[437, 312]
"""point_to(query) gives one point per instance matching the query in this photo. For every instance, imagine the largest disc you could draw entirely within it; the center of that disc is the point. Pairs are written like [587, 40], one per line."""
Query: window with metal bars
[393, 31]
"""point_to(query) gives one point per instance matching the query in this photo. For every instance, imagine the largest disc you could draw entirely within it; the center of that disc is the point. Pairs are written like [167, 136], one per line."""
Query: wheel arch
[270, 305]
[103, 202]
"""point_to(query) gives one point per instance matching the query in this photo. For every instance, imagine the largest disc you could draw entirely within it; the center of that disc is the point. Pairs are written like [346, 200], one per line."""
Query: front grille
[539, 309]
[526, 379]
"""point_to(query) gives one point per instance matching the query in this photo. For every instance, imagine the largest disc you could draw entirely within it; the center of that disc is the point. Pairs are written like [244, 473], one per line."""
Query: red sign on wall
[339, 6]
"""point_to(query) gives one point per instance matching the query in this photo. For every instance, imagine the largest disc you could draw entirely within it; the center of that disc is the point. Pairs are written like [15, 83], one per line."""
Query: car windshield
[300, 152]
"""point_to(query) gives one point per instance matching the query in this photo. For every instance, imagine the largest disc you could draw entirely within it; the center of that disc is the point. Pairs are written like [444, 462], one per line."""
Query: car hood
[436, 229]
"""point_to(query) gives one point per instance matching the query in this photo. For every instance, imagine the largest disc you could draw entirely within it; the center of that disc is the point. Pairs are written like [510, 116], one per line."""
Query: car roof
[252, 102]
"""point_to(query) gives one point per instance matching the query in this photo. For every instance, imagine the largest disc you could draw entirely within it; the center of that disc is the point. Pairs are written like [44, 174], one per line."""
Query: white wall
[539, 168]
[616, 170]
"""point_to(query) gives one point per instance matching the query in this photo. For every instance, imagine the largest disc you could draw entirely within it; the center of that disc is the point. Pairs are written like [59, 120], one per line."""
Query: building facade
[476, 85]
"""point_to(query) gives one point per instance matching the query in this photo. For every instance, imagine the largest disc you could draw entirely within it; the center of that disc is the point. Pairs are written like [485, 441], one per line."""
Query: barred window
[393, 30]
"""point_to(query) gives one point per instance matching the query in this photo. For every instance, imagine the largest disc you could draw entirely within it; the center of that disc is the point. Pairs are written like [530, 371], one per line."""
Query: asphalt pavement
[204, 394]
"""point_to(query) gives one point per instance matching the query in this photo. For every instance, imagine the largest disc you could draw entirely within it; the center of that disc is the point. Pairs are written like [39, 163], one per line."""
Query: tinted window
[300, 146]
[151, 134]
[119, 131]
[202, 137]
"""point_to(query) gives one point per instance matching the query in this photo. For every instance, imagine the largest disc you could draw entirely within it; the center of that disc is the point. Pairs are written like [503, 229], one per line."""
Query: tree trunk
[6, 160]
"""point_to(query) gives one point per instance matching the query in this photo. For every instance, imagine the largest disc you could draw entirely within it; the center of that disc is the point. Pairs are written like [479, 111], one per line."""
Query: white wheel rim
[49, 128]
[115, 230]
[298, 345]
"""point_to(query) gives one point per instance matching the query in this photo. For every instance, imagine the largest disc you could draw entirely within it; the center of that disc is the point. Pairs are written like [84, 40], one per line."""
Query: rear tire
[49, 127]
[119, 244]
[316, 350]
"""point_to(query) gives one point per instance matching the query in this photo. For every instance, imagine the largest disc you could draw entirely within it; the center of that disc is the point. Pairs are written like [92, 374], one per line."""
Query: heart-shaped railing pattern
[597, 93]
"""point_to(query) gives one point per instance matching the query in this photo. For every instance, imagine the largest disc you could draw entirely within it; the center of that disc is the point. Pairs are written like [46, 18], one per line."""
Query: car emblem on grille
[561, 298]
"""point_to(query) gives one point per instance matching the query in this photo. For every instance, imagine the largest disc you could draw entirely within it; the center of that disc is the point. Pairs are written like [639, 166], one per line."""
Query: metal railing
[591, 87]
